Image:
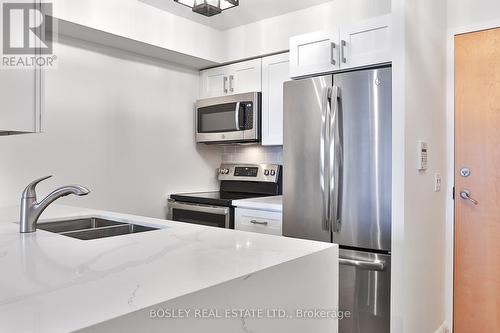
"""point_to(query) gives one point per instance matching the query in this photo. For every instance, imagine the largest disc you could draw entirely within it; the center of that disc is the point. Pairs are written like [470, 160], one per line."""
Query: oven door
[212, 216]
[229, 119]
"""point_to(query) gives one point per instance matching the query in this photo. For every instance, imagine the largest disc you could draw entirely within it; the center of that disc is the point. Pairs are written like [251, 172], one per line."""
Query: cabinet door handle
[225, 84]
[343, 45]
[333, 47]
[259, 222]
[231, 80]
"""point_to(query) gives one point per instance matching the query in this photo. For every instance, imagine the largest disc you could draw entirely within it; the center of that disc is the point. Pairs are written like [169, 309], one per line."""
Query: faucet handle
[29, 191]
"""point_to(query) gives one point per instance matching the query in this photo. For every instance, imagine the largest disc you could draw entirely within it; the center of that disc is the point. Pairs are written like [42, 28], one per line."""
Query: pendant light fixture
[209, 7]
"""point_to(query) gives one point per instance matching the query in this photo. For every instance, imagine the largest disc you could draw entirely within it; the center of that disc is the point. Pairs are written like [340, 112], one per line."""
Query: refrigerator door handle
[324, 156]
[336, 156]
[369, 265]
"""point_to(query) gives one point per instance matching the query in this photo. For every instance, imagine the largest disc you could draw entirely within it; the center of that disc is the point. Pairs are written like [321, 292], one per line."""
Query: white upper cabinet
[275, 72]
[21, 90]
[359, 44]
[245, 76]
[214, 82]
[20, 95]
[265, 75]
[314, 53]
[236, 78]
[366, 43]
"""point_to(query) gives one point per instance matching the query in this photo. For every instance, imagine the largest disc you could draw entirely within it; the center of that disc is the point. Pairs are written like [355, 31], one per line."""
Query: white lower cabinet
[275, 72]
[264, 222]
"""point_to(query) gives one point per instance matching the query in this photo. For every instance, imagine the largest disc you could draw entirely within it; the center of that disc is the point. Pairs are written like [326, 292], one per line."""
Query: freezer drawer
[364, 282]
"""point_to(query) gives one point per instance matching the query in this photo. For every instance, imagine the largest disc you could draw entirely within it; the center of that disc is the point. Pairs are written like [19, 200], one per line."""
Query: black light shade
[209, 7]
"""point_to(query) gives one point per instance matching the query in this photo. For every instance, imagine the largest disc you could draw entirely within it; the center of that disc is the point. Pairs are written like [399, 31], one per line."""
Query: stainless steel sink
[93, 228]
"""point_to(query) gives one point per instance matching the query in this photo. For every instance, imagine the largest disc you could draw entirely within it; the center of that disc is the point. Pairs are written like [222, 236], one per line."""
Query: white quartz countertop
[265, 203]
[52, 283]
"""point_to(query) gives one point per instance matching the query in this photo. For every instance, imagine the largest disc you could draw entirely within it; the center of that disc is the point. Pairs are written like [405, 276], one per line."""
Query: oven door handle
[199, 208]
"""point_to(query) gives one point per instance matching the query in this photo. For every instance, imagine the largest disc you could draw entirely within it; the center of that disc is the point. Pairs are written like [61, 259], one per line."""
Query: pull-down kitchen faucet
[31, 209]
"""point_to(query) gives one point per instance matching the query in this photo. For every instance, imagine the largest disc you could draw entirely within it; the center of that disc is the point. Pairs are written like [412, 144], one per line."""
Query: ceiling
[247, 12]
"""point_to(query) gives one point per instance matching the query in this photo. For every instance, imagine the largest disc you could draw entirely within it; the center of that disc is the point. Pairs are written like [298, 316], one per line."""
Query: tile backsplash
[253, 154]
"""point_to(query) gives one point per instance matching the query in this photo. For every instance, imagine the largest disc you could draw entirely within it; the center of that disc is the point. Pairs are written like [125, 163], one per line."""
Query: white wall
[468, 12]
[272, 35]
[253, 154]
[115, 122]
[420, 114]
[138, 21]
[141, 22]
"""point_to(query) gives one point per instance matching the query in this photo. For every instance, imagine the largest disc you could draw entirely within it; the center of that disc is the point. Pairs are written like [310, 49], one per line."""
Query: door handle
[237, 116]
[369, 265]
[231, 80]
[335, 160]
[325, 167]
[465, 194]
[259, 222]
[333, 47]
[225, 84]
[343, 45]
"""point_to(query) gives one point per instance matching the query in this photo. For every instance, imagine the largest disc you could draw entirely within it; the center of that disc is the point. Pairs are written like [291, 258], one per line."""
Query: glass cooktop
[213, 198]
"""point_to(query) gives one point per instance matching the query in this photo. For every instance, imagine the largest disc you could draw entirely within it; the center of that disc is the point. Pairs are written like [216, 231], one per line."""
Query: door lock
[465, 172]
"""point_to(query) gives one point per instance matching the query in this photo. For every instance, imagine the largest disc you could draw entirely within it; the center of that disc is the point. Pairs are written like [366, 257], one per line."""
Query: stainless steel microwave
[229, 119]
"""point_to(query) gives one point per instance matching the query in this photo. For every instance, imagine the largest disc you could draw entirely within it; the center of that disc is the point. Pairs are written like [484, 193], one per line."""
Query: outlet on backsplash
[253, 154]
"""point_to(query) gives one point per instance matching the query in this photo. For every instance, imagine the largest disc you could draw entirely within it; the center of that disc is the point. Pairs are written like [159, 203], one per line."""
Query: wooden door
[477, 148]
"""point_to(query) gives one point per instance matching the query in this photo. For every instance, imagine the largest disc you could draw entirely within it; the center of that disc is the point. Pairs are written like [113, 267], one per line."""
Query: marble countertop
[52, 283]
[265, 203]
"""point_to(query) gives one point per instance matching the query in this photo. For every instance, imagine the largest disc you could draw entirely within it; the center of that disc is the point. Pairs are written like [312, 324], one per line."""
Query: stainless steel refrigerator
[337, 183]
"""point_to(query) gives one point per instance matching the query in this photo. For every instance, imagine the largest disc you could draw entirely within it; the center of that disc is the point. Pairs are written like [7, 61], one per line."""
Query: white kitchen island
[209, 279]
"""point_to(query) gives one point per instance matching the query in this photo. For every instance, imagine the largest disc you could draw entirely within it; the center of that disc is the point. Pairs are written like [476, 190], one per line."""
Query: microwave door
[229, 119]
[219, 122]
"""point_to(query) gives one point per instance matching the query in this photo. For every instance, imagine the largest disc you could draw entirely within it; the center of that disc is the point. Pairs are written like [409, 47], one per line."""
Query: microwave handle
[237, 116]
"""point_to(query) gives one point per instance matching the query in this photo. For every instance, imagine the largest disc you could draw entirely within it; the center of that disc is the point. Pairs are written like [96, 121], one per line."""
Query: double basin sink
[93, 228]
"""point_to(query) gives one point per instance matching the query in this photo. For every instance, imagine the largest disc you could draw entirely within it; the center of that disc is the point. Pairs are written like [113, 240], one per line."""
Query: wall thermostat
[423, 155]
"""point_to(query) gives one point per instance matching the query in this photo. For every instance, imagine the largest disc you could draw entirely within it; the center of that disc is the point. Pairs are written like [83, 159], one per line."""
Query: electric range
[237, 181]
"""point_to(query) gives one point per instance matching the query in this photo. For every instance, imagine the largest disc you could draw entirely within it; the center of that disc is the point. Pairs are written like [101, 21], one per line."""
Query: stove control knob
[266, 172]
[226, 171]
[273, 172]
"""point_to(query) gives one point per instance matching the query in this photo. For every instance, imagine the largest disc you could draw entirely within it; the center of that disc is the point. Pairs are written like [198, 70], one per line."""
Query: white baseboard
[443, 328]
